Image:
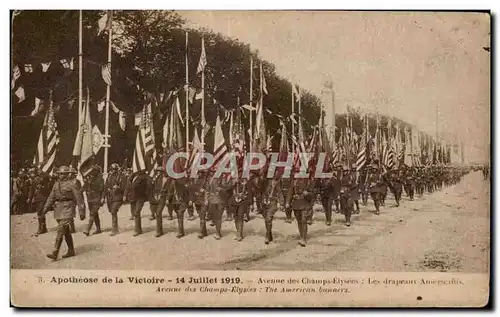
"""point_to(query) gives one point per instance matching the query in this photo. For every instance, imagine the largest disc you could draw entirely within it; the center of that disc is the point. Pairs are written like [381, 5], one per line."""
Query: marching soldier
[270, 205]
[40, 192]
[396, 185]
[215, 198]
[355, 189]
[299, 198]
[375, 182]
[179, 200]
[139, 194]
[347, 189]
[256, 185]
[409, 182]
[336, 187]
[94, 190]
[127, 192]
[63, 199]
[239, 204]
[159, 197]
[197, 190]
[326, 194]
[114, 188]
[286, 184]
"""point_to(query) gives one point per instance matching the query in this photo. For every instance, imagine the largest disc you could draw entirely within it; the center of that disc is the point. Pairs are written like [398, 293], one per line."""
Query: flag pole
[187, 94]
[261, 99]
[108, 95]
[80, 68]
[203, 97]
[251, 101]
[293, 124]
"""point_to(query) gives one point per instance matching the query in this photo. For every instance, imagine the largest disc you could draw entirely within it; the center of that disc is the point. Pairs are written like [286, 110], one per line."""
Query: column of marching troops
[37, 192]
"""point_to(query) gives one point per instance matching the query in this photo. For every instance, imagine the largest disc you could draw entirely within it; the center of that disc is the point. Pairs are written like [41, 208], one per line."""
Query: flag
[361, 157]
[97, 139]
[16, 73]
[103, 23]
[296, 92]
[203, 58]
[263, 80]
[145, 152]
[220, 148]
[284, 149]
[165, 133]
[38, 107]
[122, 120]
[20, 94]
[45, 66]
[83, 147]
[196, 147]
[67, 63]
[106, 73]
[28, 68]
[47, 143]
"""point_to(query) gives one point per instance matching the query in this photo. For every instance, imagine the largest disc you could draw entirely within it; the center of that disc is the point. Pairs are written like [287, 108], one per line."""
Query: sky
[422, 67]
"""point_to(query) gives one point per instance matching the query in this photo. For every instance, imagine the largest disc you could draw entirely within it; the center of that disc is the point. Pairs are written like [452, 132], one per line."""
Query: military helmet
[63, 169]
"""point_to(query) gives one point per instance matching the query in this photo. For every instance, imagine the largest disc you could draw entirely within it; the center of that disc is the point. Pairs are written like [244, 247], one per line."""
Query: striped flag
[47, 143]
[196, 147]
[361, 158]
[106, 73]
[401, 154]
[220, 148]
[145, 152]
[203, 58]
[83, 147]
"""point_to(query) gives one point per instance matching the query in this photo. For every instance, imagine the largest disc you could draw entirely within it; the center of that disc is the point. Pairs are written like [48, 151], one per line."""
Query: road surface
[447, 231]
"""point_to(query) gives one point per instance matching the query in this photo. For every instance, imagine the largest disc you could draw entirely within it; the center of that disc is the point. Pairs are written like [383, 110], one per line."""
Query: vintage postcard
[250, 158]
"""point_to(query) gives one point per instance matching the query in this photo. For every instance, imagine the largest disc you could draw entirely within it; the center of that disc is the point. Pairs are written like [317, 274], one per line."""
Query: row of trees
[148, 62]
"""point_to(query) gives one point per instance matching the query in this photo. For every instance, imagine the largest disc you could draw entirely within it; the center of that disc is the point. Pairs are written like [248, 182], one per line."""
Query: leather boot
[131, 213]
[348, 218]
[269, 235]
[57, 246]
[180, 225]
[97, 222]
[114, 224]
[159, 225]
[203, 229]
[238, 221]
[310, 218]
[218, 225]
[191, 216]
[89, 226]
[288, 215]
[71, 247]
[137, 225]
[42, 226]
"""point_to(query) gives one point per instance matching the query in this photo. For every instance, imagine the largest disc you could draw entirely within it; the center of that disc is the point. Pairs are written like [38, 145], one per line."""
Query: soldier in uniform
[409, 182]
[114, 188]
[384, 188]
[375, 182]
[336, 187]
[239, 204]
[139, 194]
[94, 190]
[179, 200]
[63, 199]
[355, 189]
[347, 190]
[40, 192]
[197, 190]
[285, 187]
[325, 186]
[159, 197]
[396, 185]
[299, 198]
[127, 191]
[256, 185]
[270, 205]
[21, 191]
[216, 196]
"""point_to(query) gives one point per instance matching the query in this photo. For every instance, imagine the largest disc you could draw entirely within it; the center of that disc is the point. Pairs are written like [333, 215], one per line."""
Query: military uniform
[239, 204]
[409, 183]
[325, 186]
[114, 188]
[286, 183]
[40, 192]
[270, 196]
[375, 182]
[179, 200]
[197, 191]
[216, 196]
[397, 185]
[127, 192]
[300, 197]
[63, 199]
[336, 187]
[158, 197]
[139, 194]
[348, 191]
[94, 190]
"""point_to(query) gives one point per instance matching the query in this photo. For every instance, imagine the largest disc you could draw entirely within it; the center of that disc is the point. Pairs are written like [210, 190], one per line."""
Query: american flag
[203, 58]
[361, 158]
[196, 148]
[145, 152]
[47, 143]
[401, 154]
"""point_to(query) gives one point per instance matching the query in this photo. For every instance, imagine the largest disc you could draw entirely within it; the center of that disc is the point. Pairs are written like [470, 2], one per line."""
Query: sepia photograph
[257, 158]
